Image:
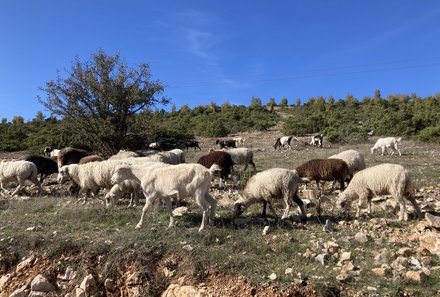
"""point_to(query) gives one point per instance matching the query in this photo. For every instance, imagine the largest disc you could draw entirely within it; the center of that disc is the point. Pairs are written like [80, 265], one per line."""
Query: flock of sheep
[164, 175]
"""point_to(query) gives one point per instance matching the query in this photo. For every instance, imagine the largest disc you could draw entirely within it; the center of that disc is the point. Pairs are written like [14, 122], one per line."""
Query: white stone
[88, 284]
[272, 277]
[41, 284]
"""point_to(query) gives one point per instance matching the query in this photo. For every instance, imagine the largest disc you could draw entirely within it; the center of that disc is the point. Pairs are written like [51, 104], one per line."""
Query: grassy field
[102, 241]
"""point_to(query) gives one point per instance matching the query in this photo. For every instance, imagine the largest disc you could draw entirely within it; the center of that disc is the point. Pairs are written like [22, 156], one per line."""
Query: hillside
[88, 248]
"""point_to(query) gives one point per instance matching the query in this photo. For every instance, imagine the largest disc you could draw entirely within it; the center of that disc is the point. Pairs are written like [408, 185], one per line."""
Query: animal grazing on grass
[242, 156]
[387, 143]
[226, 143]
[282, 142]
[268, 186]
[324, 169]
[317, 140]
[222, 159]
[354, 160]
[383, 179]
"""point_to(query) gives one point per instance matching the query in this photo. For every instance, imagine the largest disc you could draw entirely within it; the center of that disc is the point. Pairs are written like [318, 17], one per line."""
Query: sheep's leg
[416, 206]
[403, 215]
[253, 165]
[383, 150]
[170, 212]
[301, 205]
[362, 199]
[3, 188]
[18, 188]
[263, 213]
[213, 205]
[148, 201]
[272, 209]
[397, 149]
[38, 184]
[200, 198]
[286, 210]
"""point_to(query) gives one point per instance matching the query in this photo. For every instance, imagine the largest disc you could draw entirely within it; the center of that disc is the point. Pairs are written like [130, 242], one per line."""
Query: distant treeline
[344, 120]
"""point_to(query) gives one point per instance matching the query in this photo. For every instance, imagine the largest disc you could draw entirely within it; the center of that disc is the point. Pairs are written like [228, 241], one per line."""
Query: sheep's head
[109, 199]
[238, 209]
[342, 202]
[63, 174]
[118, 175]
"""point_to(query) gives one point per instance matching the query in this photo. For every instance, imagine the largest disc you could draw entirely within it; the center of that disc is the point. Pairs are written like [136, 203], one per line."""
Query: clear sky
[217, 51]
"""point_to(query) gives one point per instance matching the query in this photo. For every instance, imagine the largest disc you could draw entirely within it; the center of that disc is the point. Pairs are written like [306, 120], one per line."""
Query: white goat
[242, 156]
[387, 143]
[383, 179]
[265, 186]
[239, 141]
[18, 171]
[163, 182]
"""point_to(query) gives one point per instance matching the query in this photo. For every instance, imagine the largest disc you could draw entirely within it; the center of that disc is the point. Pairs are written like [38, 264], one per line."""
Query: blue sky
[218, 51]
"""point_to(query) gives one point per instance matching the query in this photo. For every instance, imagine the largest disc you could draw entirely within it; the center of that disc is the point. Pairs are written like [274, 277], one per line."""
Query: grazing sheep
[242, 156]
[45, 166]
[265, 186]
[317, 140]
[165, 181]
[383, 179]
[387, 143]
[18, 171]
[324, 169]
[126, 186]
[239, 141]
[225, 143]
[354, 159]
[70, 155]
[124, 155]
[222, 159]
[91, 158]
[282, 142]
[175, 156]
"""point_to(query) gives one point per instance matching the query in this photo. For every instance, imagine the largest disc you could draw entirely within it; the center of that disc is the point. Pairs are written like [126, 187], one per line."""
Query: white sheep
[175, 156]
[163, 182]
[265, 186]
[239, 141]
[126, 186]
[387, 143]
[383, 179]
[242, 156]
[136, 168]
[18, 171]
[354, 159]
[122, 154]
[90, 177]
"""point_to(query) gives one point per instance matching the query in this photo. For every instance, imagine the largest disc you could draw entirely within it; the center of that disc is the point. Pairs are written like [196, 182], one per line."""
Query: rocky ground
[348, 248]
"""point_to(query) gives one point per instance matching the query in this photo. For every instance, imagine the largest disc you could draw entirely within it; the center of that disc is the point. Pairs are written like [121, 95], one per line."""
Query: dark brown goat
[91, 158]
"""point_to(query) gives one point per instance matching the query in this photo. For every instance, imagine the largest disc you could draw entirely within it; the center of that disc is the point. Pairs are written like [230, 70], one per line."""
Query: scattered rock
[400, 264]
[361, 237]
[343, 277]
[265, 230]
[134, 279]
[416, 276]
[187, 247]
[175, 290]
[433, 221]
[180, 211]
[109, 285]
[404, 252]
[20, 292]
[288, 271]
[88, 284]
[4, 280]
[41, 284]
[272, 277]
[431, 242]
[345, 256]
[25, 263]
[415, 264]
[380, 271]
[383, 257]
